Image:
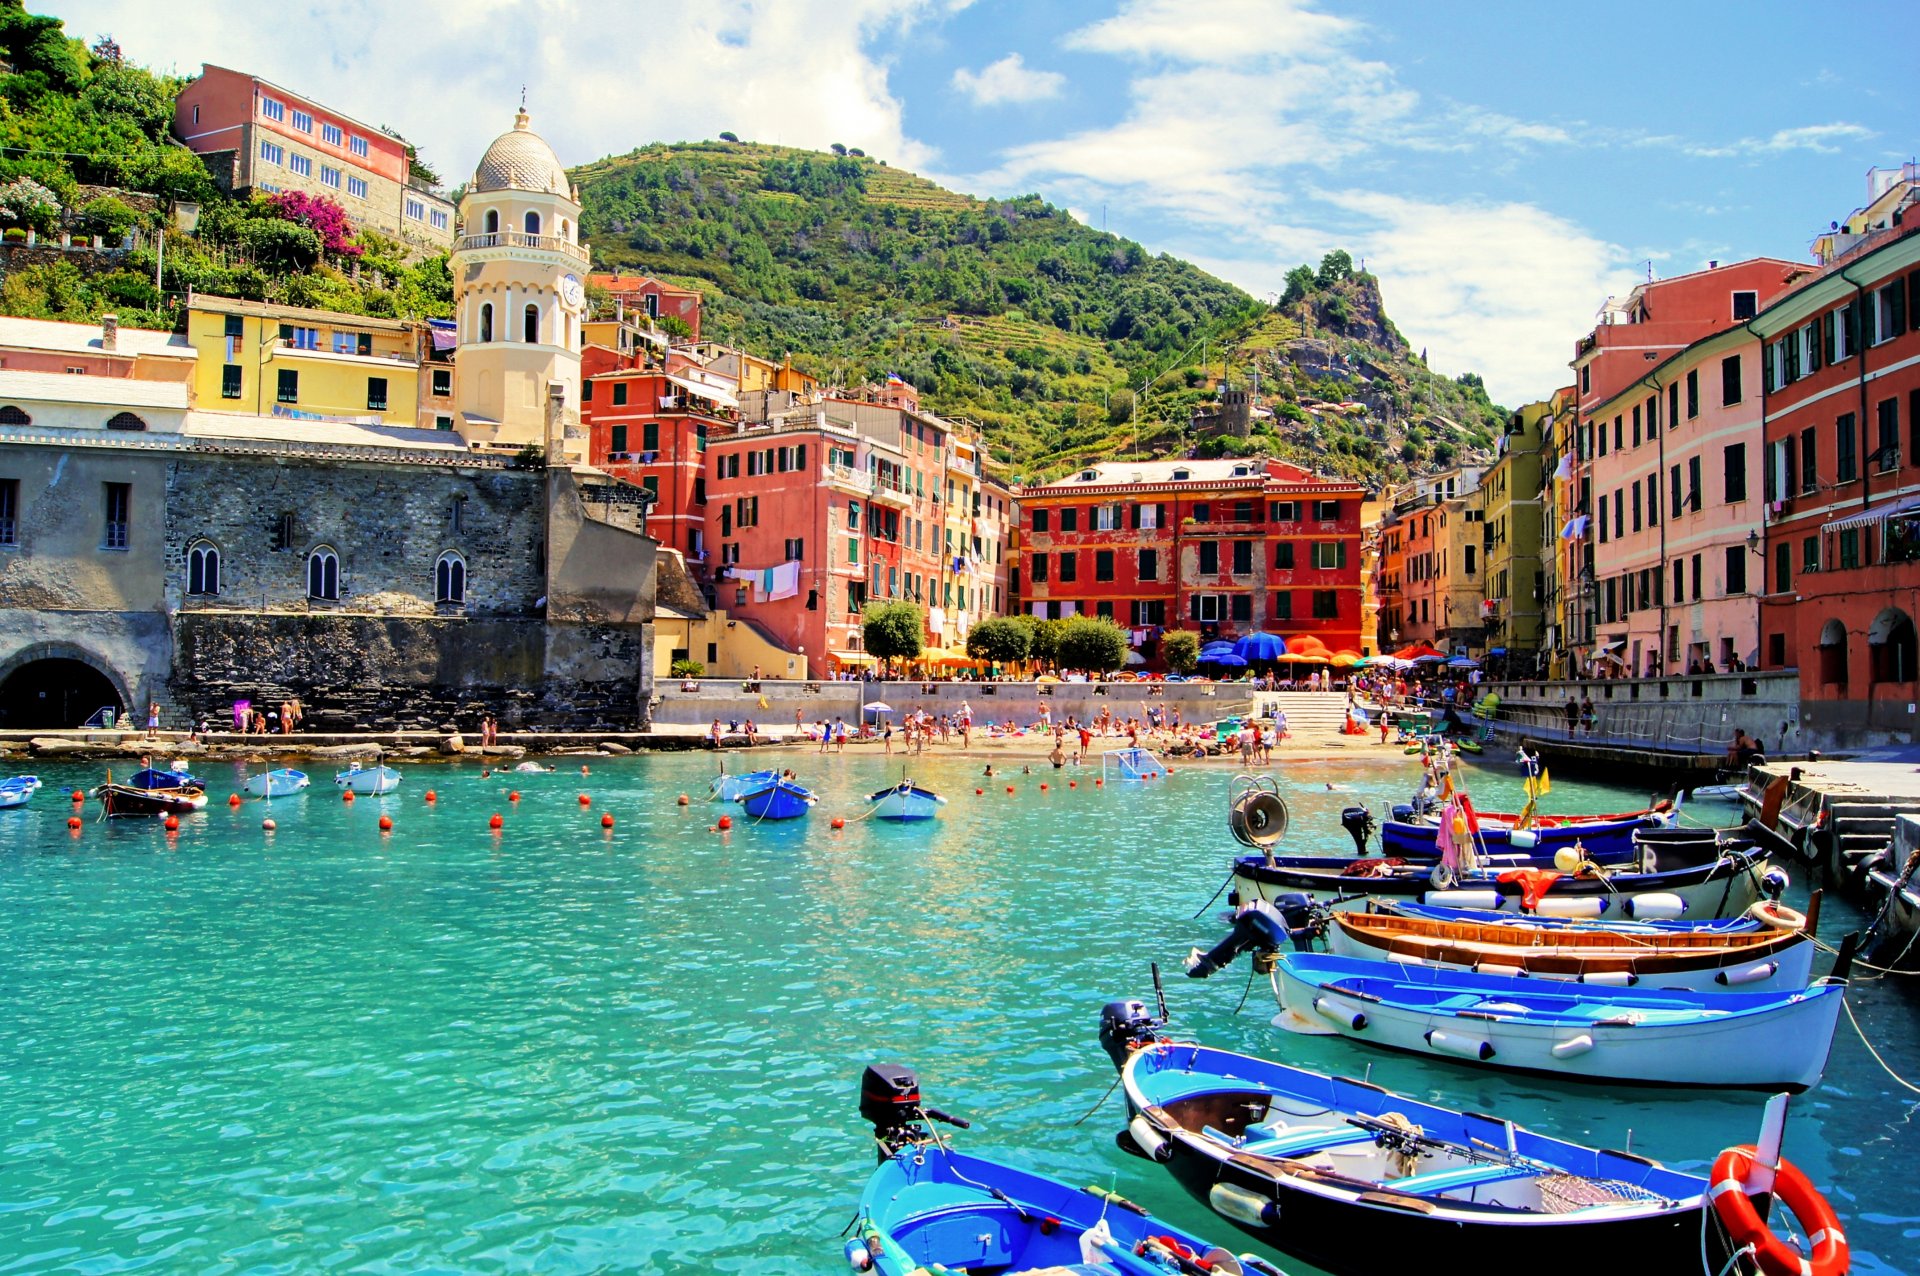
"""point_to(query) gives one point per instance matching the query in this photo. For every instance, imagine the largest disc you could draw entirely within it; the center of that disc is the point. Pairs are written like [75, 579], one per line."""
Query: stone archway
[56, 685]
[1892, 646]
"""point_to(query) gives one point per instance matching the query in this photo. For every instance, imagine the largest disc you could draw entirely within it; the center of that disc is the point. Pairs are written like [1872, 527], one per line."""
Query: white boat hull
[908, 804]
[1785, 1048]
[14, 797]
[1709, 900]
[369, 782]
[273, 786]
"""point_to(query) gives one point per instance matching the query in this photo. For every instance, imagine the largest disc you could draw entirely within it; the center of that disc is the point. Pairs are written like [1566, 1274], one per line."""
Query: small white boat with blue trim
[730, 788]
[906, 801]
[1658, 1036]
[281, 782]
[18, 790]
[368, 781]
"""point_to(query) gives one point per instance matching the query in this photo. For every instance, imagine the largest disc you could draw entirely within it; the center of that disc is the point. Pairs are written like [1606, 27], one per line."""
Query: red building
[643, 295]
[819, 508]
[1225, 547]
[1841, 545]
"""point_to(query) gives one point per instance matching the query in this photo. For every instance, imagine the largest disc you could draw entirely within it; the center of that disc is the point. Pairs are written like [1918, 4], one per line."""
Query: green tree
[1300, 282]
[1093, 643]
[1180, 648]
[1335, 267]
[1043, 638]
[892, 630]
[684, 668]
[1000, 640]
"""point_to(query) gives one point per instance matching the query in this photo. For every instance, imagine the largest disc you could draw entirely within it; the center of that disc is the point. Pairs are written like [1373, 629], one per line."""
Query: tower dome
[521, 160]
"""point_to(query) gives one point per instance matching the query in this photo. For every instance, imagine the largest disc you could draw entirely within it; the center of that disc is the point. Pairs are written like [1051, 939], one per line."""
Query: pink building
[1678, 511]
[257, 136]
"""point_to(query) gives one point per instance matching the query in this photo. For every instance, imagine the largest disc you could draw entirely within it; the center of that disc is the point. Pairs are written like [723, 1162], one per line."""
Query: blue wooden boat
[1355, 1179]
[1600, 841]
[906, 801]
[928, 1208]
[172, 778]
[1657, 1036]
[1643, 914]
[18, 790]
[729, 788]
[277, 783]
[777, 799]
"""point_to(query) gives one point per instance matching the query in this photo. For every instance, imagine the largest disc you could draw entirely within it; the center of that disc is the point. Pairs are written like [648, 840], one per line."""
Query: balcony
[847, 479]
[516, 239]
[889, 493]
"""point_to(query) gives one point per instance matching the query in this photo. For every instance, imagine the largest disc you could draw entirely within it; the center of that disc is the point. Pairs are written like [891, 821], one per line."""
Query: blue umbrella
[1260, 646]
[1463, 662]
[1219, 645]
[1229, 661]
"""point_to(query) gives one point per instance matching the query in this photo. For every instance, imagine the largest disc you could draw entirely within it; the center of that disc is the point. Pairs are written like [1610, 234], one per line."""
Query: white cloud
[1008, 80]
[1820, 138]
[1221, 32]
[602, 76]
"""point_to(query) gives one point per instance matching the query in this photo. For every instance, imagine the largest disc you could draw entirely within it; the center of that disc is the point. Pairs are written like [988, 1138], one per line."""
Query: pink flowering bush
[320, 215]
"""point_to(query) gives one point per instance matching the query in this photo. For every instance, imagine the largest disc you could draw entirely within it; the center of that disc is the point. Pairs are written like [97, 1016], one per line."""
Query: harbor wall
[1686, 716]
[990, 701]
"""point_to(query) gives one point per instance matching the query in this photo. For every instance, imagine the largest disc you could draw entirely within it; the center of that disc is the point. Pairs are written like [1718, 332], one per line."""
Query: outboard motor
[890, 1102]
[1125, 1026]
[1359, 823]
[1263, 927]
[1774, 883]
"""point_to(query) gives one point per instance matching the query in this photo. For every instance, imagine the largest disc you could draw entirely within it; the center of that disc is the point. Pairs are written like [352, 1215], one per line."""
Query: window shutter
[1769, 485]
[1193, 606]
[1897, 304]
[1787, 485]
[1826, 328]
[1766, 365]
[1340, 554]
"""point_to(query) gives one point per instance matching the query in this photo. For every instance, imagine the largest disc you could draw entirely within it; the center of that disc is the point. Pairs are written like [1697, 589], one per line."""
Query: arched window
[323, 574]
[1833, 653]
[533, 223]
[125, 421]
[565, 230]
[493, 221]
[486, 321]
[530, 326]
[1891, 646]
[203, 568]
[10, 415]
[450, 579]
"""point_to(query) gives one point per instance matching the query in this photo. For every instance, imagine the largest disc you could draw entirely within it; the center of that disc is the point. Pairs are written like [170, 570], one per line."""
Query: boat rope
[1248, 988]
[1117, 1077]
[1905, 1084]
[1216, 895]
[1733, 1260]
[1879, 972]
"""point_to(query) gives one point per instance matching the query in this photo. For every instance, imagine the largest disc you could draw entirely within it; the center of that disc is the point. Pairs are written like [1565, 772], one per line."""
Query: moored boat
[906, 801]
[929, 1208]
[1747, 923]
[1659, 1036]
[18, 790]
[370, 781]
[174, 777]
[728, 788]
[1755, 961]
[1352, 1178]
[124, 800]
[276, 783]
[1725, 886]
[777, 799]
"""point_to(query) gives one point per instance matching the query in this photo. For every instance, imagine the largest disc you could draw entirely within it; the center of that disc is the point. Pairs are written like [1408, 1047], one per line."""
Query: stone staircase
[1315, 711]
[1859, 827]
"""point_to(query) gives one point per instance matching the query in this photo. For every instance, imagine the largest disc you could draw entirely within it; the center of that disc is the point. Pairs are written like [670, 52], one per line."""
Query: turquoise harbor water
[562, 1050]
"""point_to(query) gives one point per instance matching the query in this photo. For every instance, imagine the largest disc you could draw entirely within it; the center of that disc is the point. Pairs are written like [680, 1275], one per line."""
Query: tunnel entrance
[55, 693]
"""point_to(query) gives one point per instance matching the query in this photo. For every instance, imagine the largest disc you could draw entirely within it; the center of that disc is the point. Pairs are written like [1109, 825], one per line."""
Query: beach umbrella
[878, 706]
[1434, 658]
[1348, 660]
[1220, 647]
[1135, 658]
[1463, 662]
[1229, 661]
[1260, 646]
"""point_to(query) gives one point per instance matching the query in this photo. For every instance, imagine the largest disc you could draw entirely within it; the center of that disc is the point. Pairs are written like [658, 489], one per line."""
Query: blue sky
[1502, 166]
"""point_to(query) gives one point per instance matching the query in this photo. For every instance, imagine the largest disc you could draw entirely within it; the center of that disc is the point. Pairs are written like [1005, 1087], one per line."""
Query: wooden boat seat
[1438, 1181]
[1266, 1140]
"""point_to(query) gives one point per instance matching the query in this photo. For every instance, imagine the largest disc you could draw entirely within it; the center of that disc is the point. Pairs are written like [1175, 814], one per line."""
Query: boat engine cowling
[1125, 1026]
[889, 1098]
[1292, 918]
[1359, 824]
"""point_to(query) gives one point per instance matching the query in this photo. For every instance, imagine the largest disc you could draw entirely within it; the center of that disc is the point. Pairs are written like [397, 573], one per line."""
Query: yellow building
[1514, 602]
[265, 360]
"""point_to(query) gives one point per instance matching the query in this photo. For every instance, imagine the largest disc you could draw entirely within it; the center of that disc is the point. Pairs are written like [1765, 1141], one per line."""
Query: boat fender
[1572, 906]
[1500, 970]
[1773, 1255]
[1242, 1206]
[1462, 899]
[1573, 1046]
[1610, 978]
[1659, 906]
[1748, 974]
[1093, 1241]
[1455, 1043]
[1340, 1012]
[1149, 1140]
[1523, 839]
[859, 1257]
[1774, 915]
[1775, 882]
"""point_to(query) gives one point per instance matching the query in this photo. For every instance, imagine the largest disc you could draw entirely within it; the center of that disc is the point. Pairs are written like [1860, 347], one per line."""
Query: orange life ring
[1743, 1223]
[1774, 915]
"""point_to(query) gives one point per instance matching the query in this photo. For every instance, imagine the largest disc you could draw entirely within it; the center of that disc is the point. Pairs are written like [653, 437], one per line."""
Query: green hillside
[1011, 313]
